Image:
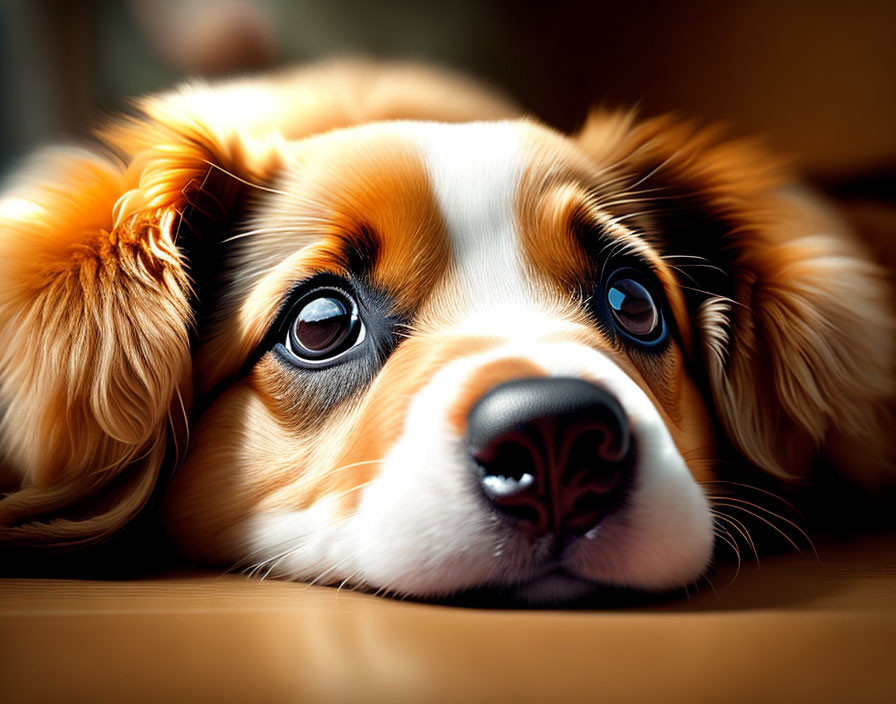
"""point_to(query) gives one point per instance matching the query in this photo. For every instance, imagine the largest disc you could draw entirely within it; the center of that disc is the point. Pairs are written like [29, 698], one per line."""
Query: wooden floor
[792, 630]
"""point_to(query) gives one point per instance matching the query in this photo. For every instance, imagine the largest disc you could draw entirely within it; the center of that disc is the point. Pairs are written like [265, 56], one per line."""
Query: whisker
[742, 530]
[208, 194]
[617, 246]
[323, 574]
[684, 256]
[259, 231]
[730, 301]
[335, 470]
[271, 561]
[607, 185]
[346, 580]
[618, 219]
[252, 570]
[776, 515]
[637, 192]
[674, 155]
[766, 521]
[712, 586]
[275, 564]
[758, 489]
[629, 201]
[244, 181]
[186, 426]
[701, 266]
[352, 490]
[681, 271]
[733, 545]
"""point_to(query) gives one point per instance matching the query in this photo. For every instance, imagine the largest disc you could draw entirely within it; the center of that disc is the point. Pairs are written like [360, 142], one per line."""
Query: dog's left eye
[326, 325]
[634, 308]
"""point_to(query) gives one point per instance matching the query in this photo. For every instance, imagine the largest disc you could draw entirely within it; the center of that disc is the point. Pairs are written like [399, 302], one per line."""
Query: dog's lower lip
[553, 587]
[555, 573]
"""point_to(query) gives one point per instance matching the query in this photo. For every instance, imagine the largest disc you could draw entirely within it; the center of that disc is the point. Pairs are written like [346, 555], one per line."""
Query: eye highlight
[635, 311]
[326, 325]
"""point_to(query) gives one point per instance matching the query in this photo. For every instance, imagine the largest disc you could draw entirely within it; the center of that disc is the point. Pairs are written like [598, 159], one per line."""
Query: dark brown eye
[634, 309]
[326, 325]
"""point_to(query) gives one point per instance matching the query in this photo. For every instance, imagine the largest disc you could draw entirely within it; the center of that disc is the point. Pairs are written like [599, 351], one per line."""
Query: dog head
[436, 356]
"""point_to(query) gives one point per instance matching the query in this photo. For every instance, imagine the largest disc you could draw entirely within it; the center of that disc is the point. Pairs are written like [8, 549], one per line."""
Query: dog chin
[556, 588]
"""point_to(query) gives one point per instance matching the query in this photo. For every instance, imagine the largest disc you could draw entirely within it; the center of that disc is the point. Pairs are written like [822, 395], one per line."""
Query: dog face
[462, 381]
[438, 357]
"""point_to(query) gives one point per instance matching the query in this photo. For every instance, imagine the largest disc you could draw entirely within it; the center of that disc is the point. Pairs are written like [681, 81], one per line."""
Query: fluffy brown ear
[796, 323]
[97, 280]
[95, 314]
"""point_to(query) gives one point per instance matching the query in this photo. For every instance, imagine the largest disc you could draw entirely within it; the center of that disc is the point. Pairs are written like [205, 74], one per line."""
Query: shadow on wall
[817, 79]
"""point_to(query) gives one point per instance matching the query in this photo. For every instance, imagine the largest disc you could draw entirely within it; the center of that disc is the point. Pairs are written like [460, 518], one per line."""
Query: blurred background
[816, 78]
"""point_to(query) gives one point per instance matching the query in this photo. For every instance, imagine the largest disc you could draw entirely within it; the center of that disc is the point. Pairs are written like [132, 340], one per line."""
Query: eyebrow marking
[375, 212]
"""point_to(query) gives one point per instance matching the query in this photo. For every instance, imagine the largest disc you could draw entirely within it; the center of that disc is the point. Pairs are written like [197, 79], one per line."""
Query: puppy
[388, 333]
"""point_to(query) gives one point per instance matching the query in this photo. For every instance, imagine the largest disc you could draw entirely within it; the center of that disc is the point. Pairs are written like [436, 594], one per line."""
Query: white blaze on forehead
[475, 170]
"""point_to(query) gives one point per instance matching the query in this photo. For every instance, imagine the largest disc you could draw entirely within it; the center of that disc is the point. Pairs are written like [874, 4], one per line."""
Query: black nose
[554, 453]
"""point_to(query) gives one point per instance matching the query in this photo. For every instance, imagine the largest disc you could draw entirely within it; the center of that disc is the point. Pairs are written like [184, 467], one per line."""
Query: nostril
[508, 472]
[497, 486]
[511, 474]
[508, 468]
[584, 453]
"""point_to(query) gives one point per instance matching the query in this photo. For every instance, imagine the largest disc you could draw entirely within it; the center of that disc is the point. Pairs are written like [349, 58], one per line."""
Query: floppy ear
[100, 255]
[96, 313]
[795, 322]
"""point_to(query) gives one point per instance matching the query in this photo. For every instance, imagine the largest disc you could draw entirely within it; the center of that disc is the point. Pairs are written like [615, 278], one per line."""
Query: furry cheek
[253, 453]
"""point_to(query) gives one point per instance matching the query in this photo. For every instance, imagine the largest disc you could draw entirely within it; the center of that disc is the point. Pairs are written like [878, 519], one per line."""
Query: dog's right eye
[326, 325]
[635, 311]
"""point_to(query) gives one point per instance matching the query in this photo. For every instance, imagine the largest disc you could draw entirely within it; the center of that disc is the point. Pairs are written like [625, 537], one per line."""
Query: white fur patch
[475, 170]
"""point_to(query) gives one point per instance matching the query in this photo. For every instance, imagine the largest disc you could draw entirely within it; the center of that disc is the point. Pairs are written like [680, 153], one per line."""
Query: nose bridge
[513, 316]
[490, 348]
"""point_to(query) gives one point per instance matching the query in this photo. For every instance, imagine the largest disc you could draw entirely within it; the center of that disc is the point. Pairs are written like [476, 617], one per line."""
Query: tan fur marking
[381, 210]
[486, 378]
[551, 196]
[562, 197]
[386, 196]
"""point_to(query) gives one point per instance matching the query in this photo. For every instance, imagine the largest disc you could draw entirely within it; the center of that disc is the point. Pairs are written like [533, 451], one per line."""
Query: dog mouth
[555, 588]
